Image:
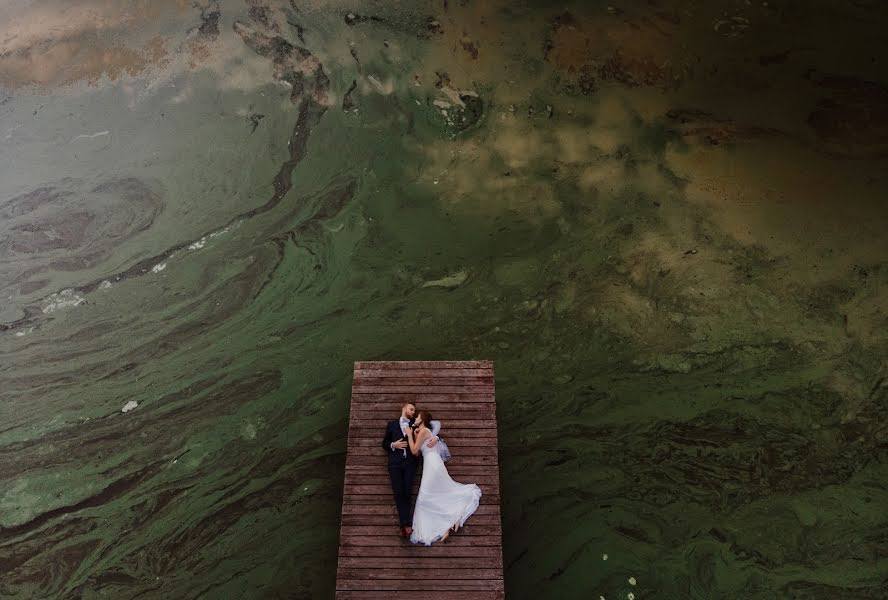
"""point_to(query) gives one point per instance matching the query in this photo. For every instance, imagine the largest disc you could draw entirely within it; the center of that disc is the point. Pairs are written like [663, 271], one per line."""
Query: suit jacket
[393, 433]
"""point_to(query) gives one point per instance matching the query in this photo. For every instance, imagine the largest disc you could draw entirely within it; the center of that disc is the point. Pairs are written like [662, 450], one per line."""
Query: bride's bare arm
[415, 442]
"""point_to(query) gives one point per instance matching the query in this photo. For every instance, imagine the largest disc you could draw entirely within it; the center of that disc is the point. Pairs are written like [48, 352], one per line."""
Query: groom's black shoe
[401, 531]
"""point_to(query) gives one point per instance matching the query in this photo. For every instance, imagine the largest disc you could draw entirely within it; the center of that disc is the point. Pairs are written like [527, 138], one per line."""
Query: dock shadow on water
[663, 222]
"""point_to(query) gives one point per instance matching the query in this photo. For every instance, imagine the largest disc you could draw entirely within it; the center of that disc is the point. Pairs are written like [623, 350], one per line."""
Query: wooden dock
[373, 561]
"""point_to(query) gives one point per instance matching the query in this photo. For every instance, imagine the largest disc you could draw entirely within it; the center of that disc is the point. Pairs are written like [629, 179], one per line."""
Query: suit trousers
[402, 482]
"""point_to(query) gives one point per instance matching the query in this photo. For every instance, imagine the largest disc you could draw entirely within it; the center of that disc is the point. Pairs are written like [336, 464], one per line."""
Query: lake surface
[664, 221]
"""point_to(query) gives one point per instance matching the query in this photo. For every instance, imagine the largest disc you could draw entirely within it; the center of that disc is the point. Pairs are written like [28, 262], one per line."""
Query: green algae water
[663, 221]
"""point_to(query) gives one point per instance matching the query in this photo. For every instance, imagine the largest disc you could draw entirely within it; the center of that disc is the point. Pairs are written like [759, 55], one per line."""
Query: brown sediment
[633, 54]
[53, 46]
[714, 130]
[65, 61]
[636, 69]
[568, 45]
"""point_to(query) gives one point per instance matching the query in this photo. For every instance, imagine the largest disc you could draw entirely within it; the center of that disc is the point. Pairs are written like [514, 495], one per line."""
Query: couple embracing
[442, 505]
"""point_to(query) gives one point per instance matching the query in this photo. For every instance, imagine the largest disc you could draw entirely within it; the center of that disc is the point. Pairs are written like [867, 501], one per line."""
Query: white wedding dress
[441, 502]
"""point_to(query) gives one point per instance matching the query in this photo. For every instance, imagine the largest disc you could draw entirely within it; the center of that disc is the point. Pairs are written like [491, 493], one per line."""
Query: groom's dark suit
[402, 467]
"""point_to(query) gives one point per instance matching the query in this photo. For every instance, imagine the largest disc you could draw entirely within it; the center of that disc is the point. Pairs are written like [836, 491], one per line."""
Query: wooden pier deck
[373, 561]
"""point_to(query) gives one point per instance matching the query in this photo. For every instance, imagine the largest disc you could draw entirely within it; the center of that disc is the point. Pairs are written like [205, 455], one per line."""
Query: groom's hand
[432, 442]
[400, 444]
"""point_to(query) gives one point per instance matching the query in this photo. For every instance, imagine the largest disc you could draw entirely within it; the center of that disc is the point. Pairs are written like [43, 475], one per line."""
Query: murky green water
[663, 221]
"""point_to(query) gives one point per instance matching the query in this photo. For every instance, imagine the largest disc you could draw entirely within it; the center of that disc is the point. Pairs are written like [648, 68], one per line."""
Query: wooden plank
[433, 378]
[423, 381]
[408, 584]
[377, 434]
[368, 488]
[380, 470]
[420, 389]
[420, 562]
[383, 513]
[424, 364]
[409, 551]
[386, 500]
[454, 470]
[350, 499]
[423, 372]
[371, 478]
[375, 438]
[451, 421]
[383, 478]
[419, 572]
[367, 478]
[452, 442]
[394, 408]
[390, 520]
[450, 424]
[380, 424]
[387, 595]
[386, 488]
[445, 416]
[363, 432]
[460, 453]
[388, 508]
[376, 531]
[459, 445]
[372, 500]
[374, 460]
[400, 397]
[446, 432]
[484, 455]
[393, 540]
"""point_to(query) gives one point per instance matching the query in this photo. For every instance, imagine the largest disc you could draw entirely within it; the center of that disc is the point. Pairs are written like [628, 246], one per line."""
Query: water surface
[664, 222]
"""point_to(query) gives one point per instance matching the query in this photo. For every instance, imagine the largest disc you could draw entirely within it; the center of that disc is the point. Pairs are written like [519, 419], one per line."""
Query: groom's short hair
[406, 403]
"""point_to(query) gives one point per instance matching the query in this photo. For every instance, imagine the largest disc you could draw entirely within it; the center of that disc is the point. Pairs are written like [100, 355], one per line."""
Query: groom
[402, 464]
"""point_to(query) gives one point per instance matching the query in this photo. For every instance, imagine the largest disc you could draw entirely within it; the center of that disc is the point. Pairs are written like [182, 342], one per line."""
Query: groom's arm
[387, 441]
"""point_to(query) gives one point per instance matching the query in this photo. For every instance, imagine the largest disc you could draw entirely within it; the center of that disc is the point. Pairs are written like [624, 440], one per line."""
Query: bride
[442, 504]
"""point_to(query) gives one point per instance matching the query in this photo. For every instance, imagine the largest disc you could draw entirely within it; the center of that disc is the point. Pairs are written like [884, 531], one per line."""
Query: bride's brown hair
[426, 418]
